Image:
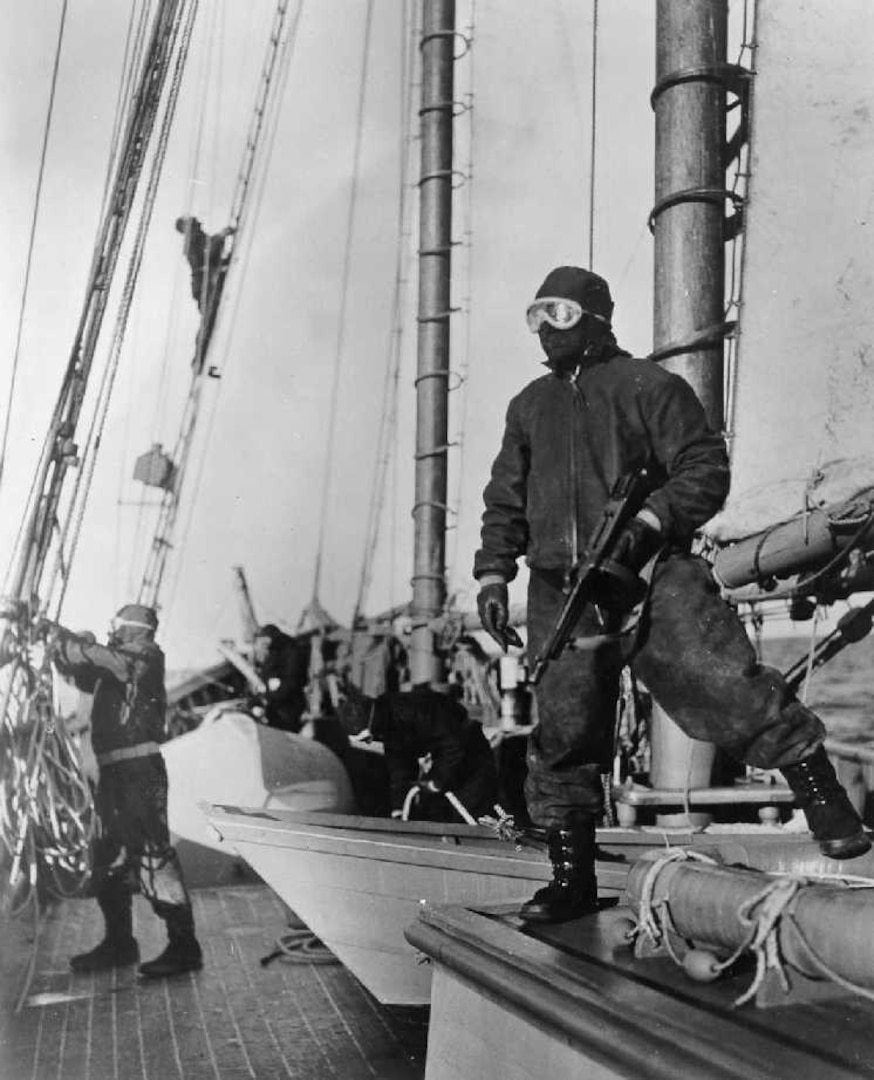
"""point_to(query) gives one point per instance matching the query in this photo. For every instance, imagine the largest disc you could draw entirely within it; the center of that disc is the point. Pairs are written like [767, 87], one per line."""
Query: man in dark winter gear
[596, 416]
[423, 723]
[132, 850]
[283, 664]
[209, 263]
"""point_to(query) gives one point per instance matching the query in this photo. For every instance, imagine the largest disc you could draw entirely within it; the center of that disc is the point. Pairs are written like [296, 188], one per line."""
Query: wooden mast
[435, 248]
[689, 289]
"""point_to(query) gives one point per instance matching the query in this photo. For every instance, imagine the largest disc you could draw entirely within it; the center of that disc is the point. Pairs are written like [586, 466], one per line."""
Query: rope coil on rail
[765, 917]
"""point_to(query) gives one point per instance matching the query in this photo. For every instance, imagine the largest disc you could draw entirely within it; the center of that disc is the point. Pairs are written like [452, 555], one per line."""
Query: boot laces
[818, 786]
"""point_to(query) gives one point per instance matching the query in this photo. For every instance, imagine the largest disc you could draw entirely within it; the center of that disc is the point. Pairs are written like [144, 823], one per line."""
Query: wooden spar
[825, 927]
[689, 277]
[435, 250]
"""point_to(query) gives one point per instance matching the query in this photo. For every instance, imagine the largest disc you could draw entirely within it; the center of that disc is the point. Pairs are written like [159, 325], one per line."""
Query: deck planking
[235, 1020]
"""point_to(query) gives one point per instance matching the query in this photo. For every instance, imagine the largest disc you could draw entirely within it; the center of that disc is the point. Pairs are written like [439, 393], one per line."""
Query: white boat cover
[232, 759]
[841, 487]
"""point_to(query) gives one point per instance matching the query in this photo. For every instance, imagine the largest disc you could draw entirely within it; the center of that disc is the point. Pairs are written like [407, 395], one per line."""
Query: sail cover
[805, 372]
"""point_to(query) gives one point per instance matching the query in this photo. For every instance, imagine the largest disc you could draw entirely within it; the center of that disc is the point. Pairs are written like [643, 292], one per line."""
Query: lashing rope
[762, 915]
[649, 923]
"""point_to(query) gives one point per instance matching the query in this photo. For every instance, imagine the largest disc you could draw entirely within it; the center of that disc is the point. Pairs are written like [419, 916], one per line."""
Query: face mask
[567, 349]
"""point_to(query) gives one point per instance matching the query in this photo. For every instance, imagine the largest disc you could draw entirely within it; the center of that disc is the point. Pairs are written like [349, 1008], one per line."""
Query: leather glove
[493, 605]
[637, 544]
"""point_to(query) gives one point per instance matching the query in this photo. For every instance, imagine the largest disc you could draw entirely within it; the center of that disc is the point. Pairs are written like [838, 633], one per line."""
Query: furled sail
[804, 389]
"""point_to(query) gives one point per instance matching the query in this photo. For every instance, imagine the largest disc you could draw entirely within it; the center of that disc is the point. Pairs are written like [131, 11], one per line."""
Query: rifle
[625, 499]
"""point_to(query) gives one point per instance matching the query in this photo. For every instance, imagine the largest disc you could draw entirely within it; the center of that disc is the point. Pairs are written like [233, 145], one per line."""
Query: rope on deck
[299, 945]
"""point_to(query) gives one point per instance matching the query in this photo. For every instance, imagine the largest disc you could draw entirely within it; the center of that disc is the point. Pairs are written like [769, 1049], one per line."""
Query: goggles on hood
[561, 313]
[117, 624]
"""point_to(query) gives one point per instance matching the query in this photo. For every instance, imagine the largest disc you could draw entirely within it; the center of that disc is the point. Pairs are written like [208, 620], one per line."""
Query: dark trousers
[692, 653]
[132, 851]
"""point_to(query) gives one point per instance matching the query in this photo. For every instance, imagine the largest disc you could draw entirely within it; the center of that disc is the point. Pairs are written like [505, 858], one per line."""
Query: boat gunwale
[615, 1013]
[429, 850]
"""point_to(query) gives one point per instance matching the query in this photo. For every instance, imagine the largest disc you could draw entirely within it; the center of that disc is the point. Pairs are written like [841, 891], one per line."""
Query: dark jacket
[288, 663]
[565, 444]
[420, 722]
[127, 681]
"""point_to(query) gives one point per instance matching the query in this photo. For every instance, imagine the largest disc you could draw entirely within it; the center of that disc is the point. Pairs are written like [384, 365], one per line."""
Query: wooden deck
[235, 1020]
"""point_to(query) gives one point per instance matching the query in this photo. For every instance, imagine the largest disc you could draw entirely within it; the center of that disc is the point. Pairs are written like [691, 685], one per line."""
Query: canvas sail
[804, 387]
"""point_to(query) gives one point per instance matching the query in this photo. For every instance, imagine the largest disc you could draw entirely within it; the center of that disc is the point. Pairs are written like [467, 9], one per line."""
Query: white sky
[258, 499]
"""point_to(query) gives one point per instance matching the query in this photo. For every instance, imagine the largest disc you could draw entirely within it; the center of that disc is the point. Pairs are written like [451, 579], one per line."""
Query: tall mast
[689, 226]
[432, 379]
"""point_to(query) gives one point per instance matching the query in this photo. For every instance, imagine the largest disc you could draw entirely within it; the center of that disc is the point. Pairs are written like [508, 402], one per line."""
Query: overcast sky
[256, 500]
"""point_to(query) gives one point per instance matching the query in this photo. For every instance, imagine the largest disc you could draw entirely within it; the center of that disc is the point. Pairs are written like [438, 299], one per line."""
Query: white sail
[804, 389]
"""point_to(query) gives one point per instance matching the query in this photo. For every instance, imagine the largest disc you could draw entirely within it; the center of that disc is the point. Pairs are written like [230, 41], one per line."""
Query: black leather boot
[183, 950]
[573, 891]
[831, 816]
[119, 947]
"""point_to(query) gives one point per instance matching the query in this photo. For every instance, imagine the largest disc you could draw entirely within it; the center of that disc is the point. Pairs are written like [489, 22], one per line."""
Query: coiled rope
[46, 810]
[299, 945]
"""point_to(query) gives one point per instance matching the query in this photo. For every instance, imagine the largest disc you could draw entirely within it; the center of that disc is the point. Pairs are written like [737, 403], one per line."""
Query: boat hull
[358, 882]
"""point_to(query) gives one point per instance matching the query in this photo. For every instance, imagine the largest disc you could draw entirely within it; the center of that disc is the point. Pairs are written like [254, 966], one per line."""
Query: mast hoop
[453, 107]
[434, 451]
[441, 316]
[732, 77]
[426, 577]
[440, 249]
[465, 40]
[441, 373]
[446, 174]
[709, 337]
[447, 374]
[715, 196]
[433, 504]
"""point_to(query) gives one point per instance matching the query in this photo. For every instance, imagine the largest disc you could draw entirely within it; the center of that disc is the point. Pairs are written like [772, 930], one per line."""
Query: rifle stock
[625, 500]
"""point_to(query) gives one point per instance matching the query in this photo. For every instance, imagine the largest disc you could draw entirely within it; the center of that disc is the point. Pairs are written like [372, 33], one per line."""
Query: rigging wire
[592, 156]
[134, 48]
[58, 451]
[734, 301]
[85, 477]
[277, 53]
[248, 203]
[388, 415]
[134, 43]
[37, 202]
[344, 296]
[467, 350]
[46, 809]
[142, 549]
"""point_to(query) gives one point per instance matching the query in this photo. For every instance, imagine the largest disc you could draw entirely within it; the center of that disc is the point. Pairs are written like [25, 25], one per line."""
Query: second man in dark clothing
[283, 664]
[425, 724]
